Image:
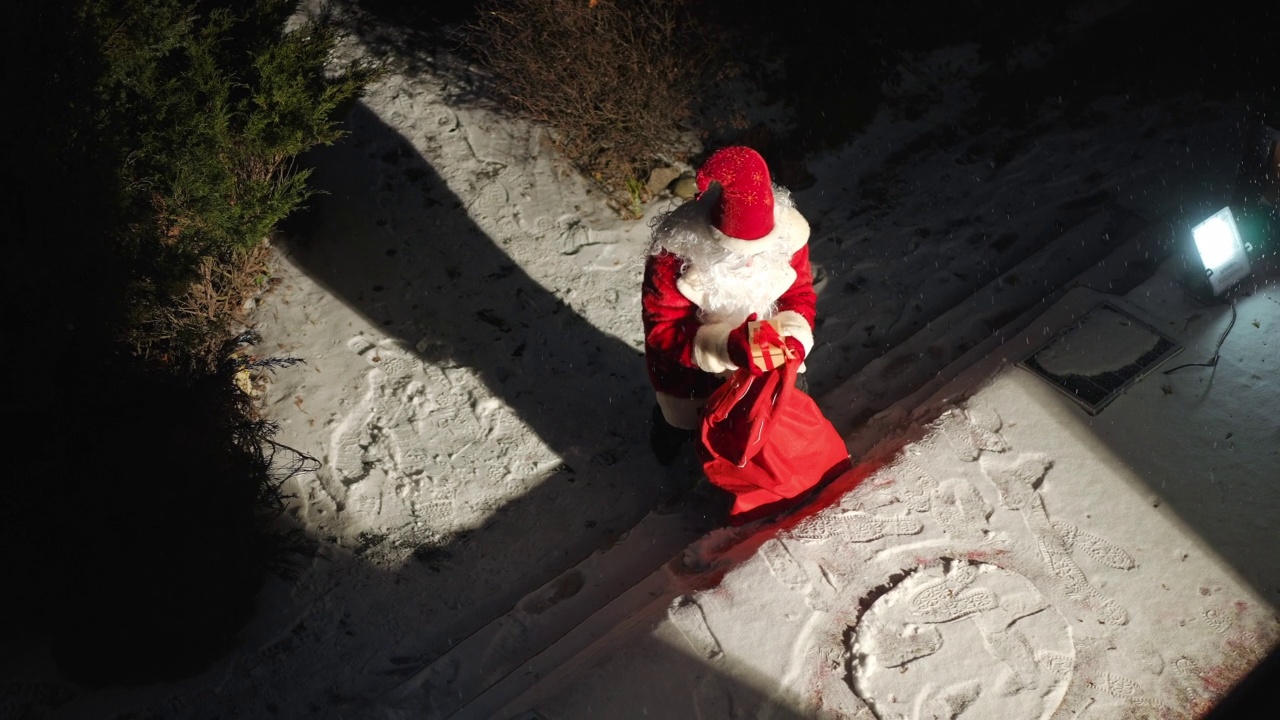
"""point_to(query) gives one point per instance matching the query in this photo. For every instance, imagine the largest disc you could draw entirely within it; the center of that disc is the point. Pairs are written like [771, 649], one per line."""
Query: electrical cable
[1213, 361]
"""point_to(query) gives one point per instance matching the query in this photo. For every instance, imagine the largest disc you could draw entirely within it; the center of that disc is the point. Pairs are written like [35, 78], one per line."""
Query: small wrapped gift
[768, 350]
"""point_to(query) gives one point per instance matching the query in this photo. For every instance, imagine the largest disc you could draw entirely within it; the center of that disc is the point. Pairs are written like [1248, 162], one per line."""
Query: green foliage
[208, 105]
[636, 191]
[152, 155]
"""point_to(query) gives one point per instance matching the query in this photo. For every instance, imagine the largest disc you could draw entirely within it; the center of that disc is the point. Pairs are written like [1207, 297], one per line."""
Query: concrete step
[499, 654]
[873, 401]
[492, 667]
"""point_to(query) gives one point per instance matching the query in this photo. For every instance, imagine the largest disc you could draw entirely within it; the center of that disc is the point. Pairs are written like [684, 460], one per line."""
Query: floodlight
[1222, 250]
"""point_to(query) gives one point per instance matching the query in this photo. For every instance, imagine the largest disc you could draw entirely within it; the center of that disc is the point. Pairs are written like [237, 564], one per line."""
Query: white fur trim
[711, 348]
[790, 230]
[684, 413]
[794, 325]
[690, 223]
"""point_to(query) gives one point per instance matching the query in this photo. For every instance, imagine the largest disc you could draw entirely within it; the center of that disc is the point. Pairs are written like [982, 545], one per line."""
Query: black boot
[665, 439]
[802, 383]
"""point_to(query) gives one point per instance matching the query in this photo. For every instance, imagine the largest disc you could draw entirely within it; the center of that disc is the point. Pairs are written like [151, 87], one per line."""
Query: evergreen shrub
[150, 158]
[210, 103]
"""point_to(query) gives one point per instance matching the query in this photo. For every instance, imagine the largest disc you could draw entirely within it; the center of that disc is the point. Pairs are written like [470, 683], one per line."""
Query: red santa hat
[745, 208]
[745, 215]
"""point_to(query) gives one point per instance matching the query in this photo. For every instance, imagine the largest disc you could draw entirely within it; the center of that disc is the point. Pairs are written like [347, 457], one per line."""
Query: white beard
[730, 289]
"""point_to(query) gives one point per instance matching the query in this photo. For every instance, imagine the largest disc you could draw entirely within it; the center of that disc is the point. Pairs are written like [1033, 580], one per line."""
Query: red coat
[679, 364]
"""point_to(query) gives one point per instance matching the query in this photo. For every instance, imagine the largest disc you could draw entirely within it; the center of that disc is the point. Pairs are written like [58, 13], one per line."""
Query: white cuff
[711, 348]
[794, 325]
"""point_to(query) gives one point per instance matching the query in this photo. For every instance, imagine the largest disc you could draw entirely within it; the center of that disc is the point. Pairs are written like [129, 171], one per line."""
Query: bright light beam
[1222, 250]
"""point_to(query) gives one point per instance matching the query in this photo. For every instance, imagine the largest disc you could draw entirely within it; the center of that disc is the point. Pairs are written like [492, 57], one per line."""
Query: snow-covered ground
[1008, 555]
[468, 312]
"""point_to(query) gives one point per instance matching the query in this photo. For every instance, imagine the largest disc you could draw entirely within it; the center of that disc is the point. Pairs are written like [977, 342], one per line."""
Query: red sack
[766, 441]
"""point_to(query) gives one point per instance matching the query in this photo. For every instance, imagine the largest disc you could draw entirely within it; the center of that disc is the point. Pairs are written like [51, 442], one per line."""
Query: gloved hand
[739, 348]
[795, 346]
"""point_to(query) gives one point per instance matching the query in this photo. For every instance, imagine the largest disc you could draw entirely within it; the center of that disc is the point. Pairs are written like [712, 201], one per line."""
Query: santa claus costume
[737, 252]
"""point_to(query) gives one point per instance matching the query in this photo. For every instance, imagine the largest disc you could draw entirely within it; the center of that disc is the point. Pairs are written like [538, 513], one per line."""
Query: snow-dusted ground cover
[468, 312]
[1009, 556]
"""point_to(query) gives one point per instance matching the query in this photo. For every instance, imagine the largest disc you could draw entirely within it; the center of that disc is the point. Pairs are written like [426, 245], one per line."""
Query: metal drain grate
[1096, 359]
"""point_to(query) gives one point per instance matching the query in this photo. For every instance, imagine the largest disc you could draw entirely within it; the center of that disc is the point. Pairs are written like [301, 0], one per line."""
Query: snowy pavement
[468, 311]
[1011, 556]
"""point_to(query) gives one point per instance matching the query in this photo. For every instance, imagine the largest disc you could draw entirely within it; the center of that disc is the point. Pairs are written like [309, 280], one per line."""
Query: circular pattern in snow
[913, 650]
